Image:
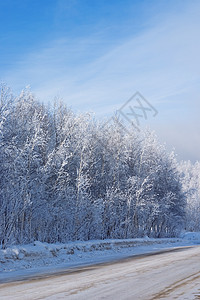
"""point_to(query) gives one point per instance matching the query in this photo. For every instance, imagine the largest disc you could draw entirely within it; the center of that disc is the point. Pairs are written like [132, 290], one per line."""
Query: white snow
[24, 260]
[173, 274]
[191, 236]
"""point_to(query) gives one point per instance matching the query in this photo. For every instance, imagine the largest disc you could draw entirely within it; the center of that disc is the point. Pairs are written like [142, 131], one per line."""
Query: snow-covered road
[174, 274]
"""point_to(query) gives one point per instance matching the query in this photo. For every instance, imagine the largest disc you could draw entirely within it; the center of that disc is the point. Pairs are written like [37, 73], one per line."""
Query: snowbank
[191, 236]
[43, 255]
[45, 250]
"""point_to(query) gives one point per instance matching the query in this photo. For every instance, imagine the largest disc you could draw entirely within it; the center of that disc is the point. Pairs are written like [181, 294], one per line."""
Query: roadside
[20, 262]
[167, 274]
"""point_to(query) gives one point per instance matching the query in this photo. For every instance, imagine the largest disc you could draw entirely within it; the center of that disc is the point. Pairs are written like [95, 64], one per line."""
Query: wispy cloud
[98, 75]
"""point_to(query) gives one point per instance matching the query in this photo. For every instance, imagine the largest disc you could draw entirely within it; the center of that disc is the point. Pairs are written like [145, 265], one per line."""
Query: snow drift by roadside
[191, 236]
[40, 256]
[44, 250]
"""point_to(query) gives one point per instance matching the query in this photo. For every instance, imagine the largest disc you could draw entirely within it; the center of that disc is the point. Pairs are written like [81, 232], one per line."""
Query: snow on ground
[191, 236]
[24, 260]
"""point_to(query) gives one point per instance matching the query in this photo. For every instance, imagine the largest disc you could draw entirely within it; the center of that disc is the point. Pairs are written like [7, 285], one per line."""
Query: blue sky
[96, 54]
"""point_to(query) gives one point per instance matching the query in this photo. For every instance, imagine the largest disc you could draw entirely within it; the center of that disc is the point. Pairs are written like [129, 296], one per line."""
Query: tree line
[66, 177]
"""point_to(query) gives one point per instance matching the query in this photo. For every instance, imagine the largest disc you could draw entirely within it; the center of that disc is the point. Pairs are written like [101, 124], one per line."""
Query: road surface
[173, 274]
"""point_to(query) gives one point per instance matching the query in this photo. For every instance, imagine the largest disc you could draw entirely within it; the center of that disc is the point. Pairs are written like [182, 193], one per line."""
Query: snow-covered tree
[190, 178]
[66, 177]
